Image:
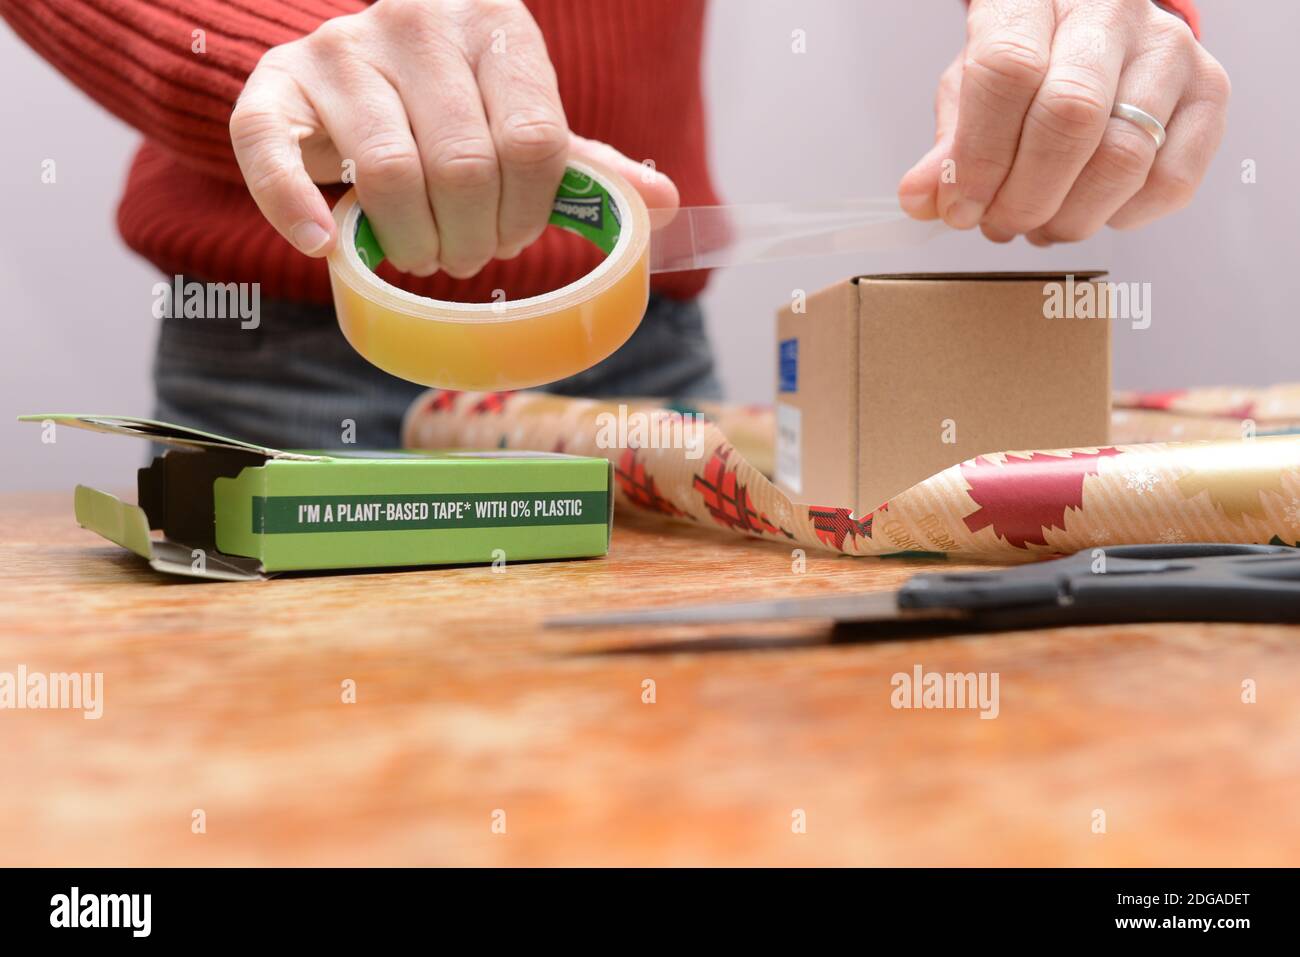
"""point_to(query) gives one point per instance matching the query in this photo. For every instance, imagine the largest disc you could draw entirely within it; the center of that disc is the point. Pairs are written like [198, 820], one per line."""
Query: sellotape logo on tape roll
[509, 344]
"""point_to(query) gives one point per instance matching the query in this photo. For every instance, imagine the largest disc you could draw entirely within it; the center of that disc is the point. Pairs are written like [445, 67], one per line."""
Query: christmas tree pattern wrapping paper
[1227, 479]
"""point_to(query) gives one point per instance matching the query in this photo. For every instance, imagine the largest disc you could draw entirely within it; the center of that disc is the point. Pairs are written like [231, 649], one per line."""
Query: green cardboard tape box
[235, 511]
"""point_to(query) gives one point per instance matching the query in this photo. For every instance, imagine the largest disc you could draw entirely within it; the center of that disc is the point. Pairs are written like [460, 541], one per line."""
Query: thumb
[658, 191]
[918, 191]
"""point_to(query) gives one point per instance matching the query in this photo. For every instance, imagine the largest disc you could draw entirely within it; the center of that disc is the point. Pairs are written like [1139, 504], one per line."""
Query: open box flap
[175, 436]
[126, 525]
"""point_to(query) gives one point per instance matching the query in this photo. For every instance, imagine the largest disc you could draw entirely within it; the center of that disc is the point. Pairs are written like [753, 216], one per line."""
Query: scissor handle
[1121, 583]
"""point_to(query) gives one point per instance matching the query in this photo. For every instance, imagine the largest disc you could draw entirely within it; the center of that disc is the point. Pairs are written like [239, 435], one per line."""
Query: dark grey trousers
[294, 382]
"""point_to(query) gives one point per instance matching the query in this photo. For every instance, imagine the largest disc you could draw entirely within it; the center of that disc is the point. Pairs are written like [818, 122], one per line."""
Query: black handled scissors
[1121, 583]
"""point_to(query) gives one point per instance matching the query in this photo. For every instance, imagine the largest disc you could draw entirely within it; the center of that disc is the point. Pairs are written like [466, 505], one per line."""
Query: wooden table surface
[227, 698]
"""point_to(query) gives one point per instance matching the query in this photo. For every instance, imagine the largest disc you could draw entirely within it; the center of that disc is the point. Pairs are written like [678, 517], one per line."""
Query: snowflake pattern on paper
[1141, 479]
[1292, 513]
[1100, 536]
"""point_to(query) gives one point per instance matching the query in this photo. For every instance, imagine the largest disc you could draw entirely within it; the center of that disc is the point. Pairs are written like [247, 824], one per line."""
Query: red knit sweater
[629, 74]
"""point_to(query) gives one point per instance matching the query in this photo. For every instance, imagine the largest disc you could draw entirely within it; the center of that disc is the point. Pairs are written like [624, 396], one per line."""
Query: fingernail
[964, 214]
[309, 237]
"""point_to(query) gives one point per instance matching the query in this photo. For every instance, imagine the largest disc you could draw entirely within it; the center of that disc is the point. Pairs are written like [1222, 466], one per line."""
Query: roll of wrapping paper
[1207, 413]
[1004, 507]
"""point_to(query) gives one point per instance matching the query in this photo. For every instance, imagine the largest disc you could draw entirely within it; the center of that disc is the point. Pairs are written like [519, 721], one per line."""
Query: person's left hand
[1024, 115]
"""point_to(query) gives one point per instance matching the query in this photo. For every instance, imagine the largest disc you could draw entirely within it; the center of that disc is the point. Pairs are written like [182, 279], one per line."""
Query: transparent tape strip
[707, 237]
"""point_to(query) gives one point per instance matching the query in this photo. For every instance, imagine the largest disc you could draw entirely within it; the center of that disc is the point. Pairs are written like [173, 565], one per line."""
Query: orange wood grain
[227, 697]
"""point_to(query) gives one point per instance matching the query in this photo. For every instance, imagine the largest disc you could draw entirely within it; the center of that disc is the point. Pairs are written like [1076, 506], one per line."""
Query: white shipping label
[789, 443]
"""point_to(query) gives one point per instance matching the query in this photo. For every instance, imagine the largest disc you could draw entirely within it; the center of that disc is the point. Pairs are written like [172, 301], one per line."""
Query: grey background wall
[846, 118]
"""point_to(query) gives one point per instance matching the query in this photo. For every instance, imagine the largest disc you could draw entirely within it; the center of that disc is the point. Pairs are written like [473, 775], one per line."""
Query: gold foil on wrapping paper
[1239, 486]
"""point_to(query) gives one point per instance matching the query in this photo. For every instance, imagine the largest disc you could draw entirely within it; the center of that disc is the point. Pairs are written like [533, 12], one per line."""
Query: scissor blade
[873, 606]
[706, 237]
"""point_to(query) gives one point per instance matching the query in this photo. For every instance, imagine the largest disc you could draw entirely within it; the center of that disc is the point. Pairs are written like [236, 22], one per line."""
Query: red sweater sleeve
[137, 59]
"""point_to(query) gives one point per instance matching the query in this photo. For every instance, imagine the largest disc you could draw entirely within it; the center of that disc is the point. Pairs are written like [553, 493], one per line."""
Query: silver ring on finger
[1142, 119]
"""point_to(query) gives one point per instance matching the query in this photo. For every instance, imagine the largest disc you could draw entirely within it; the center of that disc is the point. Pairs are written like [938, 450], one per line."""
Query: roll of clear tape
[502, 344]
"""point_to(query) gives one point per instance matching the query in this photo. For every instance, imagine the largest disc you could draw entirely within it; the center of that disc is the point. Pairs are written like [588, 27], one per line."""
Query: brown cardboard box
[885, 380]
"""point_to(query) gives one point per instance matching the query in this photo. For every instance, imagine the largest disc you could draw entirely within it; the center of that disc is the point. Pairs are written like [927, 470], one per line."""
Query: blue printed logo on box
[788, 366]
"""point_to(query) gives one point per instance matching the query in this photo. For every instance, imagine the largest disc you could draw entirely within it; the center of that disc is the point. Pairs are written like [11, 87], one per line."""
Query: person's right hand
[449, 113]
